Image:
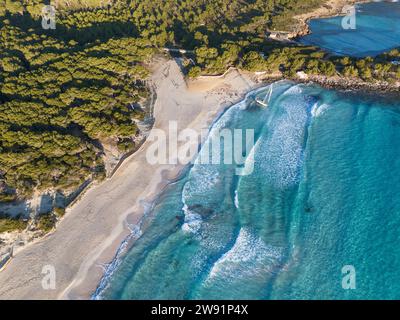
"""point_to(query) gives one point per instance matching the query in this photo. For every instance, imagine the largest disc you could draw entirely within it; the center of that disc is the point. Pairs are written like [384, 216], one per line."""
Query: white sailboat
[264, 103]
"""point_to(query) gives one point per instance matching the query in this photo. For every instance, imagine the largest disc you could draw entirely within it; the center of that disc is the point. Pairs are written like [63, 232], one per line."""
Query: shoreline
[355, 86]
[335, 9]
[93, 268]
[85, 274]
[167, 178]
[177, 173]
[102, 217]
[129, 241]
[347, 84]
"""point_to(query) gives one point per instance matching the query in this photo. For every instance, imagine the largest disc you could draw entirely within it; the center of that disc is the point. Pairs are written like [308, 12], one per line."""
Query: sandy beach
[88, 237]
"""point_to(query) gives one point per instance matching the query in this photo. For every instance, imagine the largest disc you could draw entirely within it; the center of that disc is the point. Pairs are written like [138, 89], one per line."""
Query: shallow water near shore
[323, 194]
[377, 30]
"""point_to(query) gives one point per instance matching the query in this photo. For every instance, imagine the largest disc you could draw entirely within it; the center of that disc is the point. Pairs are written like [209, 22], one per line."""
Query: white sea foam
[236, 201]
[204, 179]
[250, 159]
[192, 222]
[279, 151]
[249, 256]
[201, 185]
[294, 90]
[318, 110]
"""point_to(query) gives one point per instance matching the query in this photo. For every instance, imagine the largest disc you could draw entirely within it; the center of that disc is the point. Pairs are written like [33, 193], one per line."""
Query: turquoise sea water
[324, 194]
[377, 30]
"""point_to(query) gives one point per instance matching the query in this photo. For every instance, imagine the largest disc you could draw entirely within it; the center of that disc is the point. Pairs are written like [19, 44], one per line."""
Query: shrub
[46, 222]
[12, 224]
[59, 212]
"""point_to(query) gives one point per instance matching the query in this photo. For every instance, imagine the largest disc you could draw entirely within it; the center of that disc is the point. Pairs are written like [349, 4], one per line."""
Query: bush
[126, 145]
[10, 224]
[59, 212]
[46, 222]
[194, 72]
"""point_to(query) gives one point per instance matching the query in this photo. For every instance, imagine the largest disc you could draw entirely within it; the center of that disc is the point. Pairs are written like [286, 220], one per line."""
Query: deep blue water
[377, 30]
[324, 194]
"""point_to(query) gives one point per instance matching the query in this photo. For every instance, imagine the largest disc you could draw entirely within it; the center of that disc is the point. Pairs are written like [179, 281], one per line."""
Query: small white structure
[302, 75]
[174, 50]
[278, 35]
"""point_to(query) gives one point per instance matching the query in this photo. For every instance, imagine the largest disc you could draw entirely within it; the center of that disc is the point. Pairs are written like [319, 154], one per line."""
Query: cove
[377, 30]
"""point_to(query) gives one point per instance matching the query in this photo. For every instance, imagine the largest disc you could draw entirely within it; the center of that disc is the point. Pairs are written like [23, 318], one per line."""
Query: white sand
[89, 235]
